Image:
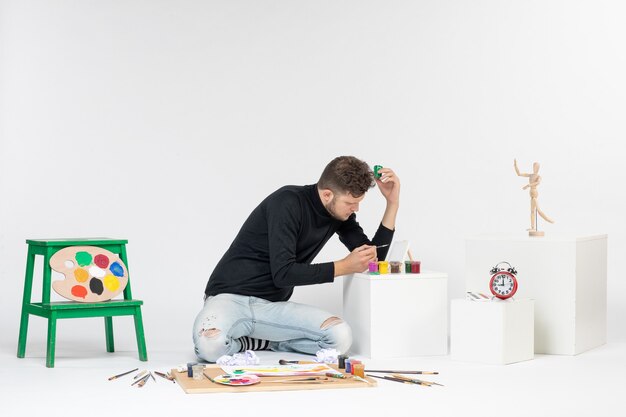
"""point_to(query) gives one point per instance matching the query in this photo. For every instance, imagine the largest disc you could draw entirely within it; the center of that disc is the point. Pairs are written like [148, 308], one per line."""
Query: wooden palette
[194, 386]
[91, 274]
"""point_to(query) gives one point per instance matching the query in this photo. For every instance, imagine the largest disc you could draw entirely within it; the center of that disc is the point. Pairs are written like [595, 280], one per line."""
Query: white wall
[166, 122]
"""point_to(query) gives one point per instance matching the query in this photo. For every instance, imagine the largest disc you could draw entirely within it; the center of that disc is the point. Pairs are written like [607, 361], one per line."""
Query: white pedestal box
[495, 332]
[397, 315]
[564, 274]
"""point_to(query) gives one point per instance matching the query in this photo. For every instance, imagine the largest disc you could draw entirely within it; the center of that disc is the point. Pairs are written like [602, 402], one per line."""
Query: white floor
[590, 384]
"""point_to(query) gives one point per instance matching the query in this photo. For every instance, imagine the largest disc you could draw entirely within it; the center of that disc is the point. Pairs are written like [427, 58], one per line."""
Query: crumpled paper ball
[244, 358]
[327, 356]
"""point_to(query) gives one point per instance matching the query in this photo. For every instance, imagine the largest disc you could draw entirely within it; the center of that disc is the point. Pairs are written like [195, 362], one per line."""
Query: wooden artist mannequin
[534, 180]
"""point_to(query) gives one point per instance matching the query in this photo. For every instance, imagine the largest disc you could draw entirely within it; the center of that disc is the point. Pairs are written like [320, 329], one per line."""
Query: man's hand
[356, 261]
[389, 185]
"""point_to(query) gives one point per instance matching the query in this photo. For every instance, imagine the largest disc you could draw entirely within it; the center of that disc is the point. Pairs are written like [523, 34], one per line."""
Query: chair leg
[141, 341]
[52, 335]
[28, 285]
[108, 329]
[21, 344]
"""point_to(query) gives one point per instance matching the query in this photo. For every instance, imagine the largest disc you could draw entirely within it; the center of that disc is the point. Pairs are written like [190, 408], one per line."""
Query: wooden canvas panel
[192, 386]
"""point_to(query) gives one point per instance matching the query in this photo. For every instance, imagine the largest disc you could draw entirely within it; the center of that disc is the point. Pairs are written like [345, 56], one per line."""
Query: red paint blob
[79, 291]
[101, 260]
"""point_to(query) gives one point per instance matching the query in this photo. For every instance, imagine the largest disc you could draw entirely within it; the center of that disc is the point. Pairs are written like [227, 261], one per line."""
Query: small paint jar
[190, 368]
[358, 369]
[342, 361]
[376, 169]
[198, 371]
[407, 267]
[396, 267]
[373, 267]
[349, 366]
[353, 363]
[415, 267]
[383, 267]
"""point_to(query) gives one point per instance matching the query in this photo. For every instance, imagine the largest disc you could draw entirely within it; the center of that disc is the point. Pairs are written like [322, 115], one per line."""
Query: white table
[564, 273]
[397, 315]
[495, 332]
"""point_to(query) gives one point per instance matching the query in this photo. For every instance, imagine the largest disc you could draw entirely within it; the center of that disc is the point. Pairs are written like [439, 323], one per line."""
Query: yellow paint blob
[111, 282]
[81, 275]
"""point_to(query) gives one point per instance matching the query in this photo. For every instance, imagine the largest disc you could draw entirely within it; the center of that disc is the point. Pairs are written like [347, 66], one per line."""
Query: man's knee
[211, 344]
[211, 333]
[338, 334]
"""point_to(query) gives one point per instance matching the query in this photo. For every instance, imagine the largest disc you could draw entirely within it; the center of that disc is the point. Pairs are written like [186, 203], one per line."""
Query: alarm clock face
[503, 284]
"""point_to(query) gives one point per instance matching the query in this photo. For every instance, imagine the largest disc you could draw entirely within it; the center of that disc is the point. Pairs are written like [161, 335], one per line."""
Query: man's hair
[347, 174]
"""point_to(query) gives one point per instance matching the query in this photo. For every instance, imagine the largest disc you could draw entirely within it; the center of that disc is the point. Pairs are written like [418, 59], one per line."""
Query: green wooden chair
[71, 309]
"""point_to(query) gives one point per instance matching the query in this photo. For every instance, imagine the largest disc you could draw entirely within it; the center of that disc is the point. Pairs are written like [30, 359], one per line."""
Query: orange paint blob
[81, 275]
[79, 291]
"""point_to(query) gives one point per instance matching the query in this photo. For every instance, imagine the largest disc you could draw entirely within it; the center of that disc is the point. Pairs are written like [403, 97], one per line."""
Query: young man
[246, 299]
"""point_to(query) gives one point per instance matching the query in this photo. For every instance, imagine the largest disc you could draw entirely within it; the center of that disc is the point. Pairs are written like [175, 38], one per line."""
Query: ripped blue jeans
[290, 327]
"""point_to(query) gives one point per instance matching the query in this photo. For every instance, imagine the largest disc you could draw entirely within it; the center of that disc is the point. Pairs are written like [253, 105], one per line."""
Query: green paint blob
[83, 258]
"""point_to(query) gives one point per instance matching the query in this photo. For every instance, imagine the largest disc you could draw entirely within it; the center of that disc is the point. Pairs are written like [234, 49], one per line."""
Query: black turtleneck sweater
[272, 252]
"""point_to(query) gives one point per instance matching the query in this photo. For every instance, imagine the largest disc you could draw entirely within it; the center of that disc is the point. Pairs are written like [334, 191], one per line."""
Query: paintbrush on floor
[285, 362]
[310, 380]
[389, 378]
[415, 381]
[141, 381]
[403, 372]
[120, 375]
[164, 376]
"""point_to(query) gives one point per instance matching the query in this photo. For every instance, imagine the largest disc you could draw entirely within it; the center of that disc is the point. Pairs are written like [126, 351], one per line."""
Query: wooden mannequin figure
[533, 181]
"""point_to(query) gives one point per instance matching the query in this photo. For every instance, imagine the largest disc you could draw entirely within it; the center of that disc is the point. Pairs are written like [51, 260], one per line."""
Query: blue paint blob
[116, 269]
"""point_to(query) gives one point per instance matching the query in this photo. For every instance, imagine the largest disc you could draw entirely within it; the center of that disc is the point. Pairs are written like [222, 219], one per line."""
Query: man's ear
[327, 196]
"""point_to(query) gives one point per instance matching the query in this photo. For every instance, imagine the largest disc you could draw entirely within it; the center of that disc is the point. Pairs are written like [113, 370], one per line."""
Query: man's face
[341, 206]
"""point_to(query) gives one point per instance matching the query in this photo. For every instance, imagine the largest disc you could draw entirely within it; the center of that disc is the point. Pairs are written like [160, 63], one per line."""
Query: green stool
[72, 309]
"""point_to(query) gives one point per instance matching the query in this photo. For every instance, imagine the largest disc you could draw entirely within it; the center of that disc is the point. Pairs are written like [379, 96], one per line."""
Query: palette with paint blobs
[236, 380]
[91, 274]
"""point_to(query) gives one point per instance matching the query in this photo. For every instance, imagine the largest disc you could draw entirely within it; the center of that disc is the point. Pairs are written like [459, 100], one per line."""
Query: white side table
[397, 315]
[564, 273]
[494, 332]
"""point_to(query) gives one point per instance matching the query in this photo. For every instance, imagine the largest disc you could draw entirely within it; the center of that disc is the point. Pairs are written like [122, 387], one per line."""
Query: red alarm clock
[503, 282]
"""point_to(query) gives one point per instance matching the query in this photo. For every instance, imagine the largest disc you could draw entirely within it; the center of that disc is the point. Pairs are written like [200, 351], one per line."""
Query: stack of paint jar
[385, 267]
[352, 366]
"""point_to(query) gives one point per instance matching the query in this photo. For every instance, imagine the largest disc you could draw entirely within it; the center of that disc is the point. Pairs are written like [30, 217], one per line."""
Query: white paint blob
[69, 264]
[94, 271]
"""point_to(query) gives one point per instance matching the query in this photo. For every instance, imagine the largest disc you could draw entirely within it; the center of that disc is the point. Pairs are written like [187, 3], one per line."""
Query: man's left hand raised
[389, 185]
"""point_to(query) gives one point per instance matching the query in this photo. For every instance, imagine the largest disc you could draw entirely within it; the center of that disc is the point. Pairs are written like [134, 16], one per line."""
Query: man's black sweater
[272, 252]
